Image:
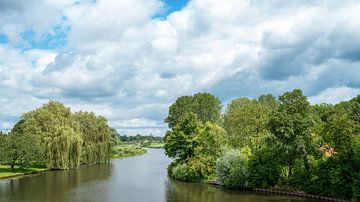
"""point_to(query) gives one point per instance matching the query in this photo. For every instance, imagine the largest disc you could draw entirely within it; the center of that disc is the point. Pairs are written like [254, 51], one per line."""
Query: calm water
[138, 179]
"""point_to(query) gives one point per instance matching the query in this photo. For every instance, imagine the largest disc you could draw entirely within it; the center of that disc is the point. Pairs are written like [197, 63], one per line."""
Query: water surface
[135, 179]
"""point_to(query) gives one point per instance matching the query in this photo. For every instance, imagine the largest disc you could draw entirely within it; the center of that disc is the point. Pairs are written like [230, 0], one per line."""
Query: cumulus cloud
[122, 62]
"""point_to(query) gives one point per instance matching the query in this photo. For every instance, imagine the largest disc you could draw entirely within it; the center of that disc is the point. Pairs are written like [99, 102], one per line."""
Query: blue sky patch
[54, 39]
[170, 7]
[3, 38]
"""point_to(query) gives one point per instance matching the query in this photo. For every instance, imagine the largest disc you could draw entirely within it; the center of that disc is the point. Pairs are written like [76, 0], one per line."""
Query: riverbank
[120, 151]
[287, 193]
[127, 150]
[6, 172]
[156, 146]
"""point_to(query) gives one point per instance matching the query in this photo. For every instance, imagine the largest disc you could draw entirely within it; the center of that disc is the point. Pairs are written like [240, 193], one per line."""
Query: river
[135, 179]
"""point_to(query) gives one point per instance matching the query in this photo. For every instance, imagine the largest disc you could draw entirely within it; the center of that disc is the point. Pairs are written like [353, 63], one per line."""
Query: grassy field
[5, 171]
[127, 150]
[156, 145]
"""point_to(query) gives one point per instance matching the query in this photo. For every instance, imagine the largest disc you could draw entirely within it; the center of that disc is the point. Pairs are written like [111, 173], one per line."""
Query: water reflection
[193, 192]
[135, 179]
[52, 185]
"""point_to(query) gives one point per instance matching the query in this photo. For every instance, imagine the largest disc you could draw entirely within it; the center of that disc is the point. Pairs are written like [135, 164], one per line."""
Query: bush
[195, 170]
[232, 170]
[264, 170]
[180, 172]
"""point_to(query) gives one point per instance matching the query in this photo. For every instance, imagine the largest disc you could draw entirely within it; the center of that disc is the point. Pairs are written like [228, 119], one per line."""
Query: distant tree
[355, 109]
[206, 106]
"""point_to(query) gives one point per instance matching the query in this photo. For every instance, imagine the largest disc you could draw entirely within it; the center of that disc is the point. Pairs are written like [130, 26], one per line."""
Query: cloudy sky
[128, 60]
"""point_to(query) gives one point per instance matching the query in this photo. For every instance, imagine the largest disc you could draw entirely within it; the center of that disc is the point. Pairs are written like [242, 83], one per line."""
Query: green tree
[210, 141]
[355, 109]
[59, 133]
[206, 106]
[98, 138]
[291, 127]
[245, 121]
[19, 148]
[179, 142]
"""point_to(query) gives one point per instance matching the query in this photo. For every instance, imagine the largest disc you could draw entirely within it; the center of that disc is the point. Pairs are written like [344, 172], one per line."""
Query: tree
[179, 142]
[210, 141]
[98, 137]
[245, 121]
[206, 106]
[59, 133]
[19, 148]
[291, 127]
[355, 109]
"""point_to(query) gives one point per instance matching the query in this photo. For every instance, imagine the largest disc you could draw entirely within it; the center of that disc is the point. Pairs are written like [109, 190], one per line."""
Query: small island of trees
[283, 143]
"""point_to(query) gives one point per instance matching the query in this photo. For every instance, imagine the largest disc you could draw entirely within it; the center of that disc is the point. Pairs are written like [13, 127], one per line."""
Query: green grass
[5, 171]
[156, 145]
[127, 150]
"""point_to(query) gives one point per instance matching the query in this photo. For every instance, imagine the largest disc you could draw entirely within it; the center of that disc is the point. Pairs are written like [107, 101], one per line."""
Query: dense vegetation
[143, 140]
[54, 137]
[283, 143]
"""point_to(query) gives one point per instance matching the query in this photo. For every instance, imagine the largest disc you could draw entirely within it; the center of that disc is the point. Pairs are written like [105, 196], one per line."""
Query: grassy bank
[6, 172]
[156, 145]
[127, 150]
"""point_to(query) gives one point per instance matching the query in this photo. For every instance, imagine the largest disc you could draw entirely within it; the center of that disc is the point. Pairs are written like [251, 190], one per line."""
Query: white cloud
[334, 95]
[122, 63]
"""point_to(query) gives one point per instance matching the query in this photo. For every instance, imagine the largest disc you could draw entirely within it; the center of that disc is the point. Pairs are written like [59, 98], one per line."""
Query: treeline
[54, 137]
[140, 138]
[266, 142]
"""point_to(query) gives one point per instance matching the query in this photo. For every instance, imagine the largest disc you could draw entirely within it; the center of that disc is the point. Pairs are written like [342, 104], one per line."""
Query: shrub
[232, 170]
[264, 170]
[197, 169]
[180, 172]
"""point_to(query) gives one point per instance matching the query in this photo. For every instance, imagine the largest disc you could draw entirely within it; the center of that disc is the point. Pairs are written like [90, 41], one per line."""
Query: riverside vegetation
[283, 143]
[53, 137]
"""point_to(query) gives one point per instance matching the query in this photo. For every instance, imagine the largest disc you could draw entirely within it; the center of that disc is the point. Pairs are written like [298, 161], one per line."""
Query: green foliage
[285, 144]
[195, 147]
[196, 169]
[206, 107]
[355, 109]
[245, 121]
[53, 136]
[97, 138]
[232, 170]
[291, 128]
[179, 142]
[210, 140]
[145, 143]
[264, 168]
[20, 149]
[127, 150]
[59, 132]
[140, 138]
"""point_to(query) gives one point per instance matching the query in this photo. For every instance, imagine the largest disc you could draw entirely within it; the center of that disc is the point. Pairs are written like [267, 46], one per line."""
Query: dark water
[138, 179]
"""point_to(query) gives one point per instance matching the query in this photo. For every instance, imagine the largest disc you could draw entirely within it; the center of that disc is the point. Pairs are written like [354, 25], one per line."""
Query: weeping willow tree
[59, 133]
[97, 136]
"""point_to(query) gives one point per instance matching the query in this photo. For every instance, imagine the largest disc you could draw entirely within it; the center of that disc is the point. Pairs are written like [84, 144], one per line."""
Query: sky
[129, 60]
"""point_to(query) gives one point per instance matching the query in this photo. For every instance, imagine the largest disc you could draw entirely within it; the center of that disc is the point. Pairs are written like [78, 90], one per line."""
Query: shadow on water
[177, 191]
[52, 185]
